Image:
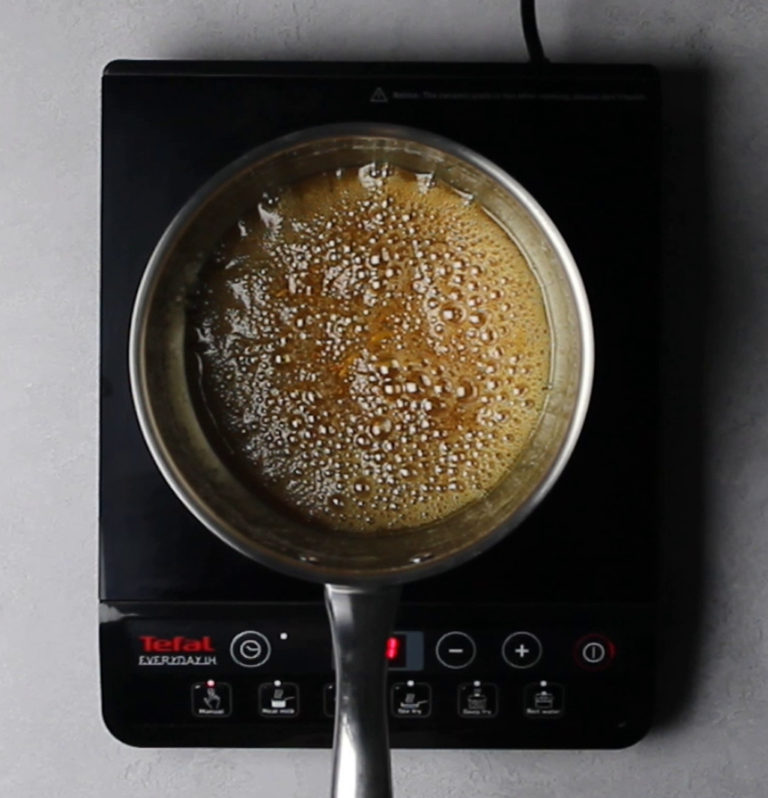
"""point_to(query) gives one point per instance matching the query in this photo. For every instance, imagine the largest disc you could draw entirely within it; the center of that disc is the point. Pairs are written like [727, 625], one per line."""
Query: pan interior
[246, 518]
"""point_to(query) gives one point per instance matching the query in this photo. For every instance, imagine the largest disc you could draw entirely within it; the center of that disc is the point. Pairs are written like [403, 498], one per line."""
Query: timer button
[455, 650]
[250, 649]
[594, 652]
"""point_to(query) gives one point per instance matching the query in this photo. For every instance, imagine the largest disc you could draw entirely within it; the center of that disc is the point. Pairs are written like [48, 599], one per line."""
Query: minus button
[455, 650]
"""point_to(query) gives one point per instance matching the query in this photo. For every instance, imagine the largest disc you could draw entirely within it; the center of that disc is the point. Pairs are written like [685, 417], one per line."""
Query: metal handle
[361, 621]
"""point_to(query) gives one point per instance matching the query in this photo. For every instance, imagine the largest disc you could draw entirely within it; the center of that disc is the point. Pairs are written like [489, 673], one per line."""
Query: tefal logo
[165, 644]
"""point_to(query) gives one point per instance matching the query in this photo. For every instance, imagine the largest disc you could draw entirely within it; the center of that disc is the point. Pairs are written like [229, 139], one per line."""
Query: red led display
[395, 651]
[393, 648]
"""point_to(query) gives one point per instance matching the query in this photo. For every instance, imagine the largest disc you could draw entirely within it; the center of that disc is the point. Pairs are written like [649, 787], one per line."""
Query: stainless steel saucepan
[362, 574]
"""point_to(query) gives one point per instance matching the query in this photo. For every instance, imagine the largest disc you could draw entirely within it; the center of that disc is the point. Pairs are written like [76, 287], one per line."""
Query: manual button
[211, 699]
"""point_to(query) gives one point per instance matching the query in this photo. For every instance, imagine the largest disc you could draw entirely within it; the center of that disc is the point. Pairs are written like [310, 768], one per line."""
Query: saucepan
[362, 573]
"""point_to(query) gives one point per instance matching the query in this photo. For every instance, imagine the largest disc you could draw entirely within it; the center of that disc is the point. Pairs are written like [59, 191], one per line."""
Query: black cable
[531, 32]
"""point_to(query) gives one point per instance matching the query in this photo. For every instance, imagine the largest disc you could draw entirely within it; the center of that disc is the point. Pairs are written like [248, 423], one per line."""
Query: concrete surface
[713, 730]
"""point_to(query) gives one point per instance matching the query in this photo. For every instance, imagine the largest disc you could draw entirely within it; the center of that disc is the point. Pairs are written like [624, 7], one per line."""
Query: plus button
[521, 650]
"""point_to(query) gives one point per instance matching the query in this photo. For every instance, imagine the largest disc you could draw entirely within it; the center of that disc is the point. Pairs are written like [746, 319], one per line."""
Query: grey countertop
[711, 737]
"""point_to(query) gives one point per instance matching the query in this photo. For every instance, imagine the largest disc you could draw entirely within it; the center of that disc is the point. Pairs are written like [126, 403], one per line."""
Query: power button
[250, 649]
[594, 652]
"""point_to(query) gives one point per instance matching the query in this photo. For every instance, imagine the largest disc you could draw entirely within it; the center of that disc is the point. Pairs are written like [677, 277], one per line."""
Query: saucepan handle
[361, 621]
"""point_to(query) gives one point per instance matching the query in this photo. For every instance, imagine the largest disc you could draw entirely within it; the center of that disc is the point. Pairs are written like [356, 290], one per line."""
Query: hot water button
[544, 699]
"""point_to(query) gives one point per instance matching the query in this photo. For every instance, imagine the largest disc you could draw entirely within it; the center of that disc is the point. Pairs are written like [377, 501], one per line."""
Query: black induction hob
[546, 641]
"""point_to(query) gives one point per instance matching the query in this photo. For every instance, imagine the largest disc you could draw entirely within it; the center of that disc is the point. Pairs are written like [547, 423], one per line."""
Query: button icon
[211, 699]
[521, 650]
[250, 649]
[379, 96]
[478, 700]
[544, 699]
[411, 699]
[278, 699]
[594, 652]
[455, 650]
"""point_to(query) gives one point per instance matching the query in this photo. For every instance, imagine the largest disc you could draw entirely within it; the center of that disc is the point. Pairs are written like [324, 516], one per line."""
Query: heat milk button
[250, 649]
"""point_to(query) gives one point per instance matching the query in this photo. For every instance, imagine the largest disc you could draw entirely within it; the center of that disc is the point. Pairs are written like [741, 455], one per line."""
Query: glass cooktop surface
[584, 141]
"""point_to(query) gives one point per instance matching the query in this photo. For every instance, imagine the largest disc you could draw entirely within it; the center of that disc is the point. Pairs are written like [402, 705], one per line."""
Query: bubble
[382, 428]
[438, 407]
[361, 486]
[466, 391]
[441, 387]
[452, 312]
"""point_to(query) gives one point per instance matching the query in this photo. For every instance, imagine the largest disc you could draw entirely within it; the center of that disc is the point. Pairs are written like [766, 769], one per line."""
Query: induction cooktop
[547, 640]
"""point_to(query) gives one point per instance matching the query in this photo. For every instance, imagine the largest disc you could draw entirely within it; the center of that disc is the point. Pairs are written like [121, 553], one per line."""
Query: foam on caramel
[372, 347]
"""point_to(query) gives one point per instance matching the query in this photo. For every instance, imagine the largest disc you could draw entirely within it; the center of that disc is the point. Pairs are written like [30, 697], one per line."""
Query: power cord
[531, 32]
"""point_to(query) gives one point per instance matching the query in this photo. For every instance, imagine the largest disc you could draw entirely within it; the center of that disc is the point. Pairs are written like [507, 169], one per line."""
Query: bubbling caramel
[371, 347]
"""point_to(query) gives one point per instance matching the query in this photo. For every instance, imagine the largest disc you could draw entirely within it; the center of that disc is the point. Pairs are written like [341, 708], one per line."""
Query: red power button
[594, 652]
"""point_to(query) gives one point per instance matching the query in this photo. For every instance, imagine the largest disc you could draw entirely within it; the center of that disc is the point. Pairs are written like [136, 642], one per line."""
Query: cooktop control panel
[263, 676]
